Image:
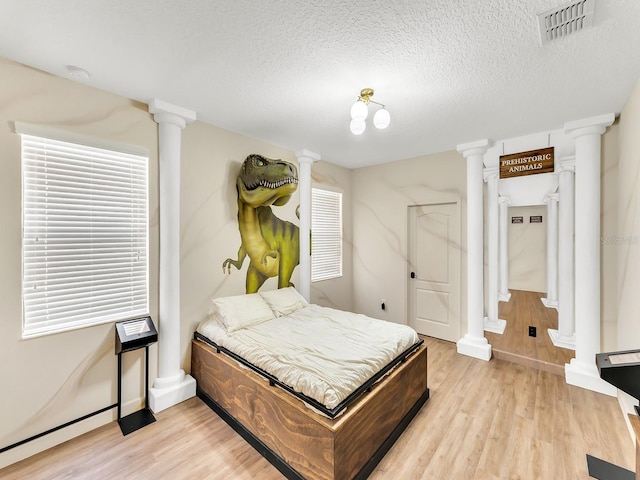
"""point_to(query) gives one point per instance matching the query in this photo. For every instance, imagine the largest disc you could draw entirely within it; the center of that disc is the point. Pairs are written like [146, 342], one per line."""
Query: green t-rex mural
[272, 244]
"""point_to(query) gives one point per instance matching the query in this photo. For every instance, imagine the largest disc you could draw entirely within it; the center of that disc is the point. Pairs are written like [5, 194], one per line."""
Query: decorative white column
[551, 300]
[504, 295]
[565, 336]
[582, 370]
[305, 160]
[474, 343]
[491, 322]
[172, 385]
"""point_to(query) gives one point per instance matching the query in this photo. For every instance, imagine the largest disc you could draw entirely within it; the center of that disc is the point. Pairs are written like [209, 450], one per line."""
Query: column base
[477, 347]
[549, 303]
[504, 297]
[562, 341]
[495, 326]
[170, 395]
[586, 376]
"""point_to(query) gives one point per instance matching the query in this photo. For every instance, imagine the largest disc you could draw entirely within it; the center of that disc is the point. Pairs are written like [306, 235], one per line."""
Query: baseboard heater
[59, 427]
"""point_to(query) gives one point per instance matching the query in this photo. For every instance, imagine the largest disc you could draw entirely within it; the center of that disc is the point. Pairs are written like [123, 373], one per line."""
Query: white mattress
[321, 352]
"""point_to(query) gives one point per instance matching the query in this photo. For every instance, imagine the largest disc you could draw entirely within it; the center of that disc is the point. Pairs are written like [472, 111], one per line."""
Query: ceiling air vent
[565, 20]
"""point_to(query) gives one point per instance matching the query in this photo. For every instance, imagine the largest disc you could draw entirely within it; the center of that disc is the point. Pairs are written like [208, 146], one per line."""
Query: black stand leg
[146, 377]
[119, 386]
[142, 417]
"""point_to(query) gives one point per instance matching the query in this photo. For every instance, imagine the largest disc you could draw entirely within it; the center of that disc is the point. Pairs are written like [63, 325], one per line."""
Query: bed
[316, 405]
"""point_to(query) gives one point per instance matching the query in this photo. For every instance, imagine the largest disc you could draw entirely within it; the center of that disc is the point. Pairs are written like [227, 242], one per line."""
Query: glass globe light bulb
[382, 118]
[359, 110]
[358, 126]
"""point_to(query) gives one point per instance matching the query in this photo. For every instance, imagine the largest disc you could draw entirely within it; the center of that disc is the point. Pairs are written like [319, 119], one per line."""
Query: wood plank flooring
[484, 420]
[525, 309]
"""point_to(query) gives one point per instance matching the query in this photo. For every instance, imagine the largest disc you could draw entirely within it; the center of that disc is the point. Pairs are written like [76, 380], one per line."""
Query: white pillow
[241, 311]
[284, 300]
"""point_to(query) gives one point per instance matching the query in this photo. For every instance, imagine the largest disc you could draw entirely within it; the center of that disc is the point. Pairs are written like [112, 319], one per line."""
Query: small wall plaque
[535, 219]
[517, 220]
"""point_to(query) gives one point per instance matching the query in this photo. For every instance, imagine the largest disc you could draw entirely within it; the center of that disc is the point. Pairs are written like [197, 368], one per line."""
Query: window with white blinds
[85, 235]
[326, 234]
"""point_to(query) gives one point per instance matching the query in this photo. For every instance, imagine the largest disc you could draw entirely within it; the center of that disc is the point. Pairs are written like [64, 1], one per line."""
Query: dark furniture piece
[132, 335]
[297, 440]
[622, 370]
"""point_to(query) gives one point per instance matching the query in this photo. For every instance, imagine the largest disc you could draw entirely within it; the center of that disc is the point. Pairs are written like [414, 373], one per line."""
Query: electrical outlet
[532, 331]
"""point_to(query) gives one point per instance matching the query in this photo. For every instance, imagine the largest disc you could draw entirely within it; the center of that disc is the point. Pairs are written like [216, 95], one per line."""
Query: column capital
[589, 126]
[502, 199]
[479, 147]
[568, 164]
[490, 172]
[165, 112]
[307, 156]
[551, 197]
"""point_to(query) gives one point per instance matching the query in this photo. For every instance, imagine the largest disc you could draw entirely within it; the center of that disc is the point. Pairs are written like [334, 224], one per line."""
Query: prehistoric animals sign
[527, 163]
[272, 244]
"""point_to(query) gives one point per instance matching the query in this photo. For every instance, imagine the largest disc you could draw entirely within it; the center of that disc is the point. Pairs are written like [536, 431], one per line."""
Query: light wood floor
[484, 420]
[525, 309]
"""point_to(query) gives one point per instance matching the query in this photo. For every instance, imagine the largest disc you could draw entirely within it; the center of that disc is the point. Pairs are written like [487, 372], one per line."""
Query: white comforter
[321, 352]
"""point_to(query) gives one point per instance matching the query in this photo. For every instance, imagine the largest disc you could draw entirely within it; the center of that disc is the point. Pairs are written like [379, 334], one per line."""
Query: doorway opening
[525, 312]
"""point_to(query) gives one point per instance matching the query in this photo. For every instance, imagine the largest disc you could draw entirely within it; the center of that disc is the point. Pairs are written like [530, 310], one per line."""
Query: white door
[434, 267]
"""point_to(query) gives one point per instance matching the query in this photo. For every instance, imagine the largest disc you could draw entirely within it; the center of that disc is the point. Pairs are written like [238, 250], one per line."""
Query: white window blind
[85, 235]
[326, 234]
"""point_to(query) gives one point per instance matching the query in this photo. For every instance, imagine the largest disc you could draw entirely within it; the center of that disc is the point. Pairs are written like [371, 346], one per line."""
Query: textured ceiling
[287, 71]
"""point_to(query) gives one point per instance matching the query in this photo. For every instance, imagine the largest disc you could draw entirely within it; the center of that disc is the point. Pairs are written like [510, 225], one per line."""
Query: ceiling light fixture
[359, 112]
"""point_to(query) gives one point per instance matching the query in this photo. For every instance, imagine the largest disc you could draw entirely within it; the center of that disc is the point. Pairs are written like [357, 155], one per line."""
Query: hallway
[525, 309]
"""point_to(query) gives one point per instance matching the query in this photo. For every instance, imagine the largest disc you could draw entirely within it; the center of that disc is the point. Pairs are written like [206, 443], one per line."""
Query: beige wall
[337, 293]
[50, 380]
[381, 197]
[626, 241]
[608, 248]
[211, 160]
[528, 249]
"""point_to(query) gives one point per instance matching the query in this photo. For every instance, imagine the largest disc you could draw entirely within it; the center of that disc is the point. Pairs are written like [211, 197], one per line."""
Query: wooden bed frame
[301, 443]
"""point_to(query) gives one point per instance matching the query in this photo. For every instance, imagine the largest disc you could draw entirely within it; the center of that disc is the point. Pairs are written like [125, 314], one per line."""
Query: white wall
[381, 197]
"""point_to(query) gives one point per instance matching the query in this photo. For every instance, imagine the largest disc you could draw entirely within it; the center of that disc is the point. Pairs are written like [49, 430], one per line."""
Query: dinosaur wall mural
[272, 244]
